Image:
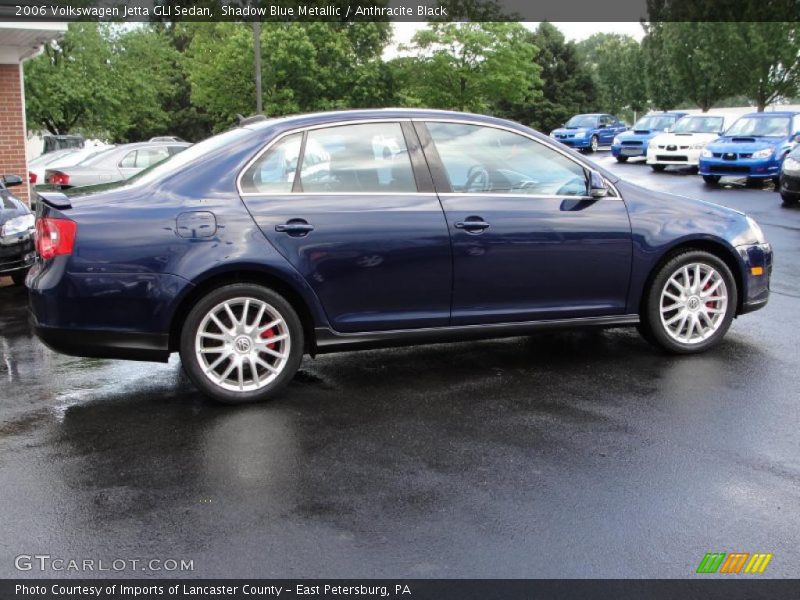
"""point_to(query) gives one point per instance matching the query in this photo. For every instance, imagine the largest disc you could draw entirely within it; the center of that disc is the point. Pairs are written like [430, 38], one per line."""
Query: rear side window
[147, 157]
[486, 160]
[274, 171]
[364, 158]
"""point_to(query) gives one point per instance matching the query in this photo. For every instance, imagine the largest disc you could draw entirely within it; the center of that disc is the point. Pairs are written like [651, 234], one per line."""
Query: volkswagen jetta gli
[348, 230]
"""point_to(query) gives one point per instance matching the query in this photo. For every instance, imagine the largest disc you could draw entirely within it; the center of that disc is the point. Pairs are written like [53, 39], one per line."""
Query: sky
[572, 31]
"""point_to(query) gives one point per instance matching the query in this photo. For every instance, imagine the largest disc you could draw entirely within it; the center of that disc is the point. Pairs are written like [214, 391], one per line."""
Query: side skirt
[328, 340]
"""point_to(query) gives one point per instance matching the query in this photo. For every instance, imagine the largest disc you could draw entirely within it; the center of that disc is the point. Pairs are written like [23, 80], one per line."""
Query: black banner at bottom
[412, 589]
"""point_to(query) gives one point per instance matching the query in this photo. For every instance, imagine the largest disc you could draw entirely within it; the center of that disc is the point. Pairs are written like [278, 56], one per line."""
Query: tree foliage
[768, 61]
[469, 66]
[618, 64]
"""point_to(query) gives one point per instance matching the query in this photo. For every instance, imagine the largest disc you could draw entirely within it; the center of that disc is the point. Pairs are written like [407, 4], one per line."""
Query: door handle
[472, 223]
[295, 227]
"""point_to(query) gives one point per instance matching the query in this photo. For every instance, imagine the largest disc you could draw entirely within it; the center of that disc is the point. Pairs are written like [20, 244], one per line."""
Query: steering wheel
[477, 179]
[574, 187]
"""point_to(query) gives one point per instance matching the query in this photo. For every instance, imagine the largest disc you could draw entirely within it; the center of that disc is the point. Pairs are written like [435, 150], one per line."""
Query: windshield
[761, 126]
[655, 122]
[582, 121]
[94, 158]
[699, 124]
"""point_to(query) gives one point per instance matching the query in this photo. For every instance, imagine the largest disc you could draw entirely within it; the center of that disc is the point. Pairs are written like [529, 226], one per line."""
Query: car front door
[353, 209]
[528, 242]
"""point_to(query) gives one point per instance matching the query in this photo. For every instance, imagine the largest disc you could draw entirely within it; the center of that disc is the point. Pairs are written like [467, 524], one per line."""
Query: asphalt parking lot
[574, 454]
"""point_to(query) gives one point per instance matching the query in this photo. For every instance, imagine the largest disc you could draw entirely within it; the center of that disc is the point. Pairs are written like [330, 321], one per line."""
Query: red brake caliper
[713, 303]
[269, 333]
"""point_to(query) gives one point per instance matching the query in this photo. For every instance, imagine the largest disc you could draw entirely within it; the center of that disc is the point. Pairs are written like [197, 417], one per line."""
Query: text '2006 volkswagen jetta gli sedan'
[357, 229]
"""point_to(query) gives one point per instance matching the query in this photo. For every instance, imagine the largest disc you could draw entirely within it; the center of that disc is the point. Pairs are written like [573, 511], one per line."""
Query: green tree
[617, 63]
[769, 62]
[568, 87]
[663, 90]
[704, 60]
[469, 66]
[71, 86]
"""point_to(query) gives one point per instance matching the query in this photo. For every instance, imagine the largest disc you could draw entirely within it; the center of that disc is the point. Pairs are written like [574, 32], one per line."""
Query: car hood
[639, 134]
[744, 144]
[11, 207]
[683, 139]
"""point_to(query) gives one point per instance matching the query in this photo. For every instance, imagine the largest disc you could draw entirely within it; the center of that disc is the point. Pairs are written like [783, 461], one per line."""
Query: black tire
[712, 179]
[754, 182]
[652, 327]
[194, 319]
[18, 277]
[658, 167]
[622, 159]
[789, 199]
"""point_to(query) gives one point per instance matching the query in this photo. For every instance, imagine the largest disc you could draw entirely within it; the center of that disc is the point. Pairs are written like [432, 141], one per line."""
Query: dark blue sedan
[350, 230]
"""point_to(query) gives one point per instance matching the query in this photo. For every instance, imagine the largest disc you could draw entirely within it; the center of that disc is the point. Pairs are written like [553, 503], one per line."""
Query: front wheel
[622, 159]
[18, 277]
[658, 167]
[690, 304]
[711, 179]
[241, 343]
[789, 199]
[594, 144]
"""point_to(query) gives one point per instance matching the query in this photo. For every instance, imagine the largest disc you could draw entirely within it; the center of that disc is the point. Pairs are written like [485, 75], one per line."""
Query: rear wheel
[622, 159]
[18, 277]
[658, 167]
[241, 343]
[711, 179]
[690, 304]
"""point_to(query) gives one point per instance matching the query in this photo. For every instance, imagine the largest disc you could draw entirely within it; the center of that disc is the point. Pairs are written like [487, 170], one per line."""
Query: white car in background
[68, 157]
[682, 144]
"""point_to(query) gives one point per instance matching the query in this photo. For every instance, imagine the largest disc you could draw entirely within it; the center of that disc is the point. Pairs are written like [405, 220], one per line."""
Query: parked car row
[17, 252]
[757, 146]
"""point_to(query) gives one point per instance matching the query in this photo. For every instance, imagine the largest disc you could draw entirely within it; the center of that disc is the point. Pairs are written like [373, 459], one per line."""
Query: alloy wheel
[693, 303]
[242, 344]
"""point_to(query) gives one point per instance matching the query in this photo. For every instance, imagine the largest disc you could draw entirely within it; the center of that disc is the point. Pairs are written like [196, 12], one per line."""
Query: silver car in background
[117, 164]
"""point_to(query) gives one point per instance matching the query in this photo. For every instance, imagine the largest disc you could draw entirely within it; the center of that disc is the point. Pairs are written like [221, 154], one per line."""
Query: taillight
[55, 237]
[32, 177]
[59, 178]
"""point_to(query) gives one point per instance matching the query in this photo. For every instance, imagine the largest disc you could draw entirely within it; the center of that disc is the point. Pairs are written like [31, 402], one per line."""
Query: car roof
[777, 113]
[378, 114]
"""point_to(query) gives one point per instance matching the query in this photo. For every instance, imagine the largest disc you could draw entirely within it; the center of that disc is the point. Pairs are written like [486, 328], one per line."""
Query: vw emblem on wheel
[693, 303]
[242, 344]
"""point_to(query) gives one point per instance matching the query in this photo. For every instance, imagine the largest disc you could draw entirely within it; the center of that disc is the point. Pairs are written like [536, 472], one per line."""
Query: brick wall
[12, 127]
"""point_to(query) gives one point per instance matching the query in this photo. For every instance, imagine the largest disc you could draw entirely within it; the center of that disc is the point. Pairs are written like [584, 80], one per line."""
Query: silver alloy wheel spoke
[693, 303]
[242, 344]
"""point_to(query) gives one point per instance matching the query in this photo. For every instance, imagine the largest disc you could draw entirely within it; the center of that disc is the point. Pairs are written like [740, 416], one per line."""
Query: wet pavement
[576, 454]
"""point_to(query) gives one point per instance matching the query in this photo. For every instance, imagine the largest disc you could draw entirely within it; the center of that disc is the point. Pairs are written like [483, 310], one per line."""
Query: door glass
[148, 157]
[370, 158]
[486, 160]
[273, 172]
[129, 161]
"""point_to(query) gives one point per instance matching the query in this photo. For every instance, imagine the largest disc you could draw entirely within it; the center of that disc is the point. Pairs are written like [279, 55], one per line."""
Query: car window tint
[483, 160]
[128, 162]
[274, 170]
[370, 157]
[147, 157]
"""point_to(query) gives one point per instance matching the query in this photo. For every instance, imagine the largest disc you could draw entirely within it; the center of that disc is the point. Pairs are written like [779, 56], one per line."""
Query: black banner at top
[400, 10]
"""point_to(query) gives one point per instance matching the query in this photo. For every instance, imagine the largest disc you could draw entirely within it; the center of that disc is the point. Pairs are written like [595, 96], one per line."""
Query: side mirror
[597, 185]
[9, 180]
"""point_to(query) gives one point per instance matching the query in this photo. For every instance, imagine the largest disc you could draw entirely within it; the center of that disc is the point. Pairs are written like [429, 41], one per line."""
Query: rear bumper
[104, 344]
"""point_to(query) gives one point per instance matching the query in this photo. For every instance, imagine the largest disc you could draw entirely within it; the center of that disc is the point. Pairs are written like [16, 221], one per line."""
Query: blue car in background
[588, 132]
[633, 143]
[754, 147]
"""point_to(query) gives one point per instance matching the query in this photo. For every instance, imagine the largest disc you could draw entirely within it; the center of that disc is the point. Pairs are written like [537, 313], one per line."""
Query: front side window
[362, 158]
[126, 163]
[483, 160]
[273, 172]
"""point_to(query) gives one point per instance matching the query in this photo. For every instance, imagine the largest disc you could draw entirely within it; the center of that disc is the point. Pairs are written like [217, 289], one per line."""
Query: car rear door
[528, 242]
[358, 217]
